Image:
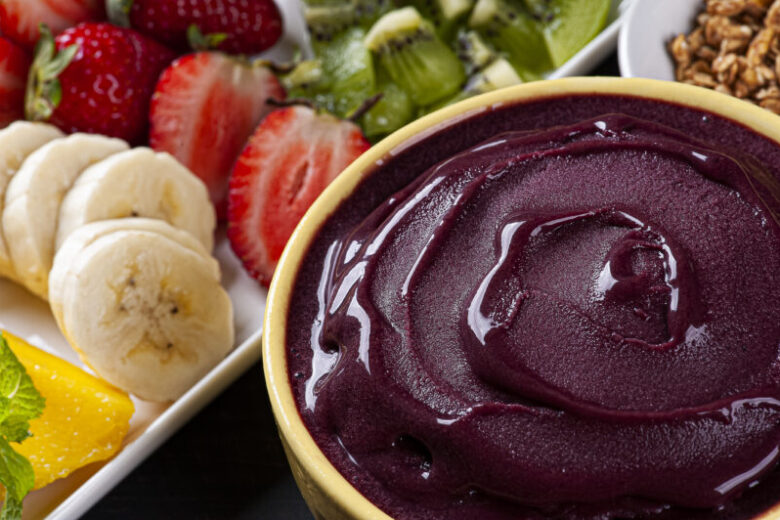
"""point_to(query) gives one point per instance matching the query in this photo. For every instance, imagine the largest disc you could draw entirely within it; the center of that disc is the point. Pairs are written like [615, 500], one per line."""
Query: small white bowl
[648, 26]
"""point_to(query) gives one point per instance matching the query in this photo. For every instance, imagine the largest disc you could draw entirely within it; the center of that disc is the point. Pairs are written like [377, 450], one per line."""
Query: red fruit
[14, 64]
[292, 156]
[19, 19]
[106, 86]
[249, 26]
[205, 107]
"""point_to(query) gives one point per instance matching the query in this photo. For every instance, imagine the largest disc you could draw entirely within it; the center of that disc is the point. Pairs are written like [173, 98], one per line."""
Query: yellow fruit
[85, 419]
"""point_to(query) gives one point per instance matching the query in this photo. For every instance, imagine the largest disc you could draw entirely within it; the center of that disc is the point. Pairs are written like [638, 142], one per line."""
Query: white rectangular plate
[30, 318]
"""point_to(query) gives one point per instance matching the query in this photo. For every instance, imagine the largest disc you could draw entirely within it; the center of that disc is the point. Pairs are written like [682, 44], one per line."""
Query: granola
[734, 49]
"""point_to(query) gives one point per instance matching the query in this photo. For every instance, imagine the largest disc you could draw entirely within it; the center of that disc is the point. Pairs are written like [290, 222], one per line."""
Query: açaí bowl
[326, 491]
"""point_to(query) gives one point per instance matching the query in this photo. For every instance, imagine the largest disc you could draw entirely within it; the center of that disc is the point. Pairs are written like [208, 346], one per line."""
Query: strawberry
[248, 26]
[14, 64]
[204, 109]
[292, 156]
[19, 19]
[100, 81]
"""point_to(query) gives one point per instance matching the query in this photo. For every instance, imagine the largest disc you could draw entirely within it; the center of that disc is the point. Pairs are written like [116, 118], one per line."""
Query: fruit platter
[153, 164]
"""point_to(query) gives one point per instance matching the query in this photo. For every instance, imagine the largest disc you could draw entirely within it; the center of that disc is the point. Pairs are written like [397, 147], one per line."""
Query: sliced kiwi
[515, 32]
[569, 24]
[474, 52]
[340, 79]
[444, 15]
[496, 75]
[327, 18]
[393, 110]
[305, 75]
[347, 69]
[414, 56]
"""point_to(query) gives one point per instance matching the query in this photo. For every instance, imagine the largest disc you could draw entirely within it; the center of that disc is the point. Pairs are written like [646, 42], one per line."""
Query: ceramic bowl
[328, 494]
[648, 26]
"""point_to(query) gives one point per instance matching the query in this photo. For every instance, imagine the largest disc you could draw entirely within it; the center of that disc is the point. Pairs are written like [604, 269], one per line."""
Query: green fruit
[444, 15]
[499, 74]
[391, 112]
[326, 18]
[514, 32]
[570, 24]
[347, 71]
[474, 52]
[414, 56]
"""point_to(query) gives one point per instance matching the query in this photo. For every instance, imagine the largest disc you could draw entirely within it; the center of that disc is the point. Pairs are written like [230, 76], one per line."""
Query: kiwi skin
[416, 59]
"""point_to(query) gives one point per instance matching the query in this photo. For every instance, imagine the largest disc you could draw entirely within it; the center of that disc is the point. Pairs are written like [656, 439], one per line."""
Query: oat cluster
[734, 49]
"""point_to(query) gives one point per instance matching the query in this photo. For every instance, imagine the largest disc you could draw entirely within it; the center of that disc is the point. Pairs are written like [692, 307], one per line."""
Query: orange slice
[85, 419]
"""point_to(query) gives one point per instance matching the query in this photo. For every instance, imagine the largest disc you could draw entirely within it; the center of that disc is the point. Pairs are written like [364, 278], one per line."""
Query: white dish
[648, 26]
[30, 318]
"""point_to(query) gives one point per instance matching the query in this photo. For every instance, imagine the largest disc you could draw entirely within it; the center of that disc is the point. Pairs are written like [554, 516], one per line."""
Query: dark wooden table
[227, 463]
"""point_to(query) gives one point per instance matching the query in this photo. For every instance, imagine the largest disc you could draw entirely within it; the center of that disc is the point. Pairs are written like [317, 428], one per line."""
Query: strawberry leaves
[44, 90]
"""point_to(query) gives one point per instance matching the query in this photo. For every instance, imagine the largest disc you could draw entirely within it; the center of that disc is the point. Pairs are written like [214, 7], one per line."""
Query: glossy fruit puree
[568, 308]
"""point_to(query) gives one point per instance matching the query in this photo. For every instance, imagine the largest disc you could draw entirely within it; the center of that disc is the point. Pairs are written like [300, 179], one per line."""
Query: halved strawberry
[19, 19]
[14, 64]
[292, 156]
[204, 109]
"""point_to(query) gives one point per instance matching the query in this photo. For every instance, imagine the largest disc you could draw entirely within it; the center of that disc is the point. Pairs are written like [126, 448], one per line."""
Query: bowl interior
[648, 26]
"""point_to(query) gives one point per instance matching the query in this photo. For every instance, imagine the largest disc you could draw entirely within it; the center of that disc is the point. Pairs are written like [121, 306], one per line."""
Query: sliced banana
[17, 141]
[145, 312]
[33, 198]
[140, 183]
[88, 233]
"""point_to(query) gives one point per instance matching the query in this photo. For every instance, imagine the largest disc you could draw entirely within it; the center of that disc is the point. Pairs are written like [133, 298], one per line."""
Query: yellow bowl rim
[292, 429]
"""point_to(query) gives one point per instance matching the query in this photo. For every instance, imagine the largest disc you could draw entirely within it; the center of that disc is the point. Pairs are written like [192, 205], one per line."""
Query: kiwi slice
[326, 21]
[444, 15]
[340, 79]
[496, 75]
[327, 18]
[474, 52]
[569, 24]
[305, 75]
[391, 112]
[515, 32]
[415, 58]
[347, 70]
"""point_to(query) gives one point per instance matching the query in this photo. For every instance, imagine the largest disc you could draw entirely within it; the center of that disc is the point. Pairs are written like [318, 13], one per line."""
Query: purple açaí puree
[568, 308]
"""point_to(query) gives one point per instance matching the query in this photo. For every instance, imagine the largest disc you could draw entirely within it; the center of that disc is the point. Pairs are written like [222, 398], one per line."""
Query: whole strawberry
[243, 26]
[96, 78]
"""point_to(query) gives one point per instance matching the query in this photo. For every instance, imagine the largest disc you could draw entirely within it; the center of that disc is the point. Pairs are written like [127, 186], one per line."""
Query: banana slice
[88, 233]
[17, 141]
[145, 312]
[33, 198]
[140, 183]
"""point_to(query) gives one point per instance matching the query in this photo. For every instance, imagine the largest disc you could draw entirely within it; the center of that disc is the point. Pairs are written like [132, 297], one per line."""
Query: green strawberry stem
[44, 91]
[204, 42]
